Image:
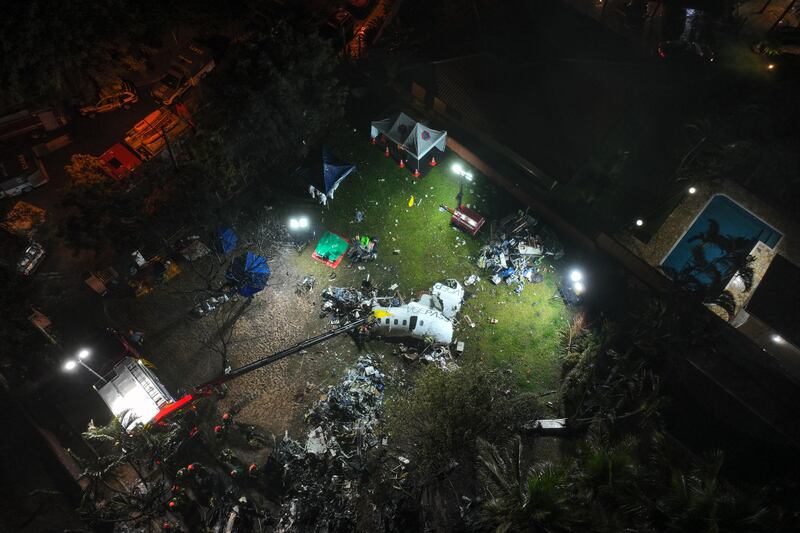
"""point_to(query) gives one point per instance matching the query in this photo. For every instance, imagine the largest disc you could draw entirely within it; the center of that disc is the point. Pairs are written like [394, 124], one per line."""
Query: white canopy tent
[415, 139]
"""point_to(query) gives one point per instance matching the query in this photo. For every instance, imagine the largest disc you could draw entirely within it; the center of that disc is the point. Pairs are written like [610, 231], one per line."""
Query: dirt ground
[188, 351]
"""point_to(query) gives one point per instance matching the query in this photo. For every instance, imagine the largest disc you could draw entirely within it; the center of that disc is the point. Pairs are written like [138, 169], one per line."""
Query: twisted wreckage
[429, 319]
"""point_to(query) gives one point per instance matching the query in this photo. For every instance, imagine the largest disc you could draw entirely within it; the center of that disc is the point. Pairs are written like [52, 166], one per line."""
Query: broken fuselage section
[429, 319]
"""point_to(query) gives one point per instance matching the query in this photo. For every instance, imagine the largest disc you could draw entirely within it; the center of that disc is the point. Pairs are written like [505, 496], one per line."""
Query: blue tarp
[249, 272]
[227, 240]
[333, 172]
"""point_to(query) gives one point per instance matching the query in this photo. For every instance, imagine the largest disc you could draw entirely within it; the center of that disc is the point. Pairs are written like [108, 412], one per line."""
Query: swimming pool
[712, 248]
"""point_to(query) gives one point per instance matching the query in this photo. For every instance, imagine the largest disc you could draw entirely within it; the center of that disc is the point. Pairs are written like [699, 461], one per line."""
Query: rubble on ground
[306, 284]
[363, 248]
[324, 476]
[441, 356]
[344, 304]
[515, 255]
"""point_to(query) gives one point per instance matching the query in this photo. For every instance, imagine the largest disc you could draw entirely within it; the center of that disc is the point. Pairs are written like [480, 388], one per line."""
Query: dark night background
[682, 398]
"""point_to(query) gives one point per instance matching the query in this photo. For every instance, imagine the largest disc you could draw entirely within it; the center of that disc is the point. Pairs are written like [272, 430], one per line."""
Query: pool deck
[681, 219]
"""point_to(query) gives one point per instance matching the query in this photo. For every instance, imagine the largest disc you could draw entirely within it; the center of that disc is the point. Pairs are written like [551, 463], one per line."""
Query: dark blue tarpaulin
[249, 272]
[227, 240]
[333, 172]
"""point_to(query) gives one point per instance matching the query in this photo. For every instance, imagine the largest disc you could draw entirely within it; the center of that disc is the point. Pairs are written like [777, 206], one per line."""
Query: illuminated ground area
[189, 351]
[430, 250]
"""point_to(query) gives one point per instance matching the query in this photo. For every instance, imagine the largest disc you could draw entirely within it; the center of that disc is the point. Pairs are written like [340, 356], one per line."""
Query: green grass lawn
[430, 250]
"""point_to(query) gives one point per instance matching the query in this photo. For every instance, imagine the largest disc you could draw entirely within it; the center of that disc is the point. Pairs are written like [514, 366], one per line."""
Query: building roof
[776, 301]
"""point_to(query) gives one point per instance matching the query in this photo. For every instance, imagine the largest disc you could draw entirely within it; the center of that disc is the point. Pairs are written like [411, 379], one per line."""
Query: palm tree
[540, 498]
[725, 301]
[698, 500]
[735, 258]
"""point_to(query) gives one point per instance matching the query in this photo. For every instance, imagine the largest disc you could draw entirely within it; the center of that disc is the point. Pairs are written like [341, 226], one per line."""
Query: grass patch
[431, 250]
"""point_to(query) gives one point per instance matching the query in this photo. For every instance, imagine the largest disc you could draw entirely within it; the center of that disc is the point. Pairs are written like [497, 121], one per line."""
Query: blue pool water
[723, 231]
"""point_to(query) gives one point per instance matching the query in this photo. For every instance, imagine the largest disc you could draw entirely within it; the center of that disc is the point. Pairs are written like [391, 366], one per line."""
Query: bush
[447, 411]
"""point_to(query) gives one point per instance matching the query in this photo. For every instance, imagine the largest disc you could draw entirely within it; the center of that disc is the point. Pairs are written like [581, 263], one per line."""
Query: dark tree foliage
[60, 51]
[280, 97]
[103, 212]
[16, 333]
[616, 484]
[448, 411]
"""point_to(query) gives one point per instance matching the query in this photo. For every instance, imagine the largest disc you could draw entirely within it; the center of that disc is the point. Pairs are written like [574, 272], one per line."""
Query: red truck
[143, 142]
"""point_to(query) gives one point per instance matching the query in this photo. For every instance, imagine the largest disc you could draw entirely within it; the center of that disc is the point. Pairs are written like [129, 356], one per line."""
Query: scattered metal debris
[306, 284]
[323, 477]
[515, 256]
[213, 303]
[363, 248]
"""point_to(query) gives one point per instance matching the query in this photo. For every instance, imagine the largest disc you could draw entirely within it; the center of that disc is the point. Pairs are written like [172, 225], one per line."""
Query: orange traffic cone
[402, 163]
[416, 173]
[372, 140]
[433, 161]
[386, 152]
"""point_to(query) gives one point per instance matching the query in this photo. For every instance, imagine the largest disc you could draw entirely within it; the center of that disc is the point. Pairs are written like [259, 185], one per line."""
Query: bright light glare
[576, 275]
[458, 169]
[579, 288]
[70, 365]
[83, 354]
[692, 190]
[771, 66]
[303, 222]
[639, 222]
[777, 339]
[294, 223]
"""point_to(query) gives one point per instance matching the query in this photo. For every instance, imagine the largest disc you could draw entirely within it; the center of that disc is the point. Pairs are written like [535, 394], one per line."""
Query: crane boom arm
[206, 388]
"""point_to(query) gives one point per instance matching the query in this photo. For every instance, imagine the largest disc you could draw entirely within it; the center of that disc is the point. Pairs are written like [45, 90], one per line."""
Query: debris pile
[324, 475]
[363, 248]
[214, 302]
[515, 255]
[344, 304]
[348, 412]
[439, 355]
[306, 284]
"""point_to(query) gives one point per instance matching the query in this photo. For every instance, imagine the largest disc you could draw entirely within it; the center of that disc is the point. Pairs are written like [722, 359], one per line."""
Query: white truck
[192, 65]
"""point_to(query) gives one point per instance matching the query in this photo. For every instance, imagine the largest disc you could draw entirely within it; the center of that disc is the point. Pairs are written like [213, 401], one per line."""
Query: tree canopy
[60, 51]
[280, 97]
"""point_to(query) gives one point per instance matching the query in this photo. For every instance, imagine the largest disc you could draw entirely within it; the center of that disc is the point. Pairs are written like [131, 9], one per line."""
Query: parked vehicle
[685, 51]
[32, 123]
[31, 258]
[111, 98]
[150, 136]
[20, 172]
[118, 161]
[192, 65]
